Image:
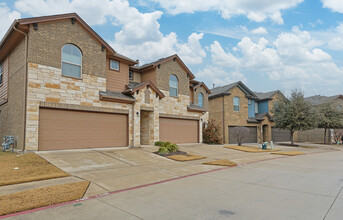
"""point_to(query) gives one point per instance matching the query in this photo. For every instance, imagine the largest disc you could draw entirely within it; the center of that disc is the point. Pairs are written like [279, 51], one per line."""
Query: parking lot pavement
[300, 187]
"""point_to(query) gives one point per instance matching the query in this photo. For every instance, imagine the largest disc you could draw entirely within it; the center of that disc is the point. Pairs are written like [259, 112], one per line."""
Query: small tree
[329, 117]
[337, 135]
[241, 134]
[211, 133]
[294, 114]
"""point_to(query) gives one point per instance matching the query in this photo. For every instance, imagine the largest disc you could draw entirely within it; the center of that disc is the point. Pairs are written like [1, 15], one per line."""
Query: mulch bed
[289, 145]
[171, 154]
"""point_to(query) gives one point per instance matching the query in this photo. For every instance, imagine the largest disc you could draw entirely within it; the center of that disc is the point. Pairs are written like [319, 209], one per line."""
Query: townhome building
[235, 105]
[317, 135]
[64, 87]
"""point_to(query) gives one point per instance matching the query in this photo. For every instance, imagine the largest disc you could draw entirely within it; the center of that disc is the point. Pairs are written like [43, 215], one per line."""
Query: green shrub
[166, 147]
[159, 143]
[173, 148]
[163, 151]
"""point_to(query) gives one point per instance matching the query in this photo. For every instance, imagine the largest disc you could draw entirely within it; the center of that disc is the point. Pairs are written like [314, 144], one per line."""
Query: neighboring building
[236, 105]
[63, 87]
[317, 135]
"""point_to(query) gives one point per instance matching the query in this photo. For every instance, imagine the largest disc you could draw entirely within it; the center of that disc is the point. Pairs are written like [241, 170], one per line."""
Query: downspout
[26, 76]
[223, 119]
[133, 124]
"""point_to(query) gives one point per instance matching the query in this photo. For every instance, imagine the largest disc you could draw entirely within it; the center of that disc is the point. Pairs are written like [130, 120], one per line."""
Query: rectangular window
[114, 65]
[249, 102]
[236, 104]
[173, 91]
[71, 70]
[1, 72]
[256, 107]
[130, 75]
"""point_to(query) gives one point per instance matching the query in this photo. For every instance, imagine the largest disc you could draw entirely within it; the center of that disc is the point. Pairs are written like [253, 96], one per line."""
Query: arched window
[71, 61]
[173, 85]
[201, 100]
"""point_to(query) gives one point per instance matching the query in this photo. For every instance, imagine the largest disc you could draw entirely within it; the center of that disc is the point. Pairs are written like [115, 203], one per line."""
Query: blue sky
[267, 44]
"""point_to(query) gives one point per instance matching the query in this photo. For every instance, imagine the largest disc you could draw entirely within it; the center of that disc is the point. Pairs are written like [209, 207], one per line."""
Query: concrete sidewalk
[301, 187]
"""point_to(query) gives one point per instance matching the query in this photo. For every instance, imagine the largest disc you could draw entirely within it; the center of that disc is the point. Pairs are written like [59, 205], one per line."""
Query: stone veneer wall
[153, 107]
[46, 84]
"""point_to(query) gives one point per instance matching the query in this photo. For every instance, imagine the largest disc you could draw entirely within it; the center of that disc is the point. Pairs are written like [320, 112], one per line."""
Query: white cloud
[255, 10]
[292, 59]
[260, 30]
[139, 37]
[334, 5]
[220, 76]
[7, 19]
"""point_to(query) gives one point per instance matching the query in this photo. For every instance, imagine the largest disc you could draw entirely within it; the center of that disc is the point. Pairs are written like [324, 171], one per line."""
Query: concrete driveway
[301, 187]
[116, 169]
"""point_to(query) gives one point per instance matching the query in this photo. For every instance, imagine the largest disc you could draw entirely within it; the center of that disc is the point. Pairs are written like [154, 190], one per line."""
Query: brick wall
[13, 112]
[45, 45]
[168, 68]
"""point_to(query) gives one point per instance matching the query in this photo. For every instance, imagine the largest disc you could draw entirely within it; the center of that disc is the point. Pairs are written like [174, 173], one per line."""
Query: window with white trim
[173, 85]
[201, 100]
[114, 65]
[71, 61]
[236, 104]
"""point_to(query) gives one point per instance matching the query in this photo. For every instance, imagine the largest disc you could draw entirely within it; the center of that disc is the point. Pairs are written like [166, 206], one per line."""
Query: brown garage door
[279, 135]
[252, 137]
[179, 130]
[66, 129]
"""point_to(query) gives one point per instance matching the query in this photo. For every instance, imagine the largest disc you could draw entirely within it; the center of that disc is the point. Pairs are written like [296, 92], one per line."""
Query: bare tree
[241, 134]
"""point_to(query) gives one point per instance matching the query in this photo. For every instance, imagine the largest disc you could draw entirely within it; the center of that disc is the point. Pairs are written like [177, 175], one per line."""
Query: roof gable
[22, 24]
[225, 90]
[156, 63]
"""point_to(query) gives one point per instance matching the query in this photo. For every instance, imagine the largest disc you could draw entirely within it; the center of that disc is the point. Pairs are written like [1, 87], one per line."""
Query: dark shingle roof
[265, 95]
[222, 89]
[132, 85]
[318, 99]
[116, 95]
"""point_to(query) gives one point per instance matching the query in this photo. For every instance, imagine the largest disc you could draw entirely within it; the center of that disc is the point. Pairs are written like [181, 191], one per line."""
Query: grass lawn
[250, 149]
[187, 157]
[221, 163]
[22, 168]
[40, 197]
[290, 153]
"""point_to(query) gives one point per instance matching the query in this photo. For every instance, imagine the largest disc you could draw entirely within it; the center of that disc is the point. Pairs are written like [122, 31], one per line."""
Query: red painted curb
[142, 186]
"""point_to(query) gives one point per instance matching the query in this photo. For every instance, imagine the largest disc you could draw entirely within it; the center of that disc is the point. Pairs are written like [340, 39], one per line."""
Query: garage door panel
[252, 137]
[279, 135]
[66, 129]
[179, 130]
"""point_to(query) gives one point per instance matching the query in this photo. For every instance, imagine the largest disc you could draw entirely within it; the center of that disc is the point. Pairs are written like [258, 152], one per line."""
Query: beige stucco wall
[13, 112]
[45, 45]
[46, 84]
[168, 68]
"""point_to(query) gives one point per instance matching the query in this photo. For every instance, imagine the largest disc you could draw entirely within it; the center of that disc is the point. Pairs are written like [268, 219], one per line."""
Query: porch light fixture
[137, 113]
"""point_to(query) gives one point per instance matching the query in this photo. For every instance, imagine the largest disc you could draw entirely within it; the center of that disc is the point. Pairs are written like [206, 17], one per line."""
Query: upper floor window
[71, 61]
[201, 100]
[130, 75]
[114, 65]
[1, 72]
[236, 104]
[173, 85]
[339, 107]
[249, 102]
